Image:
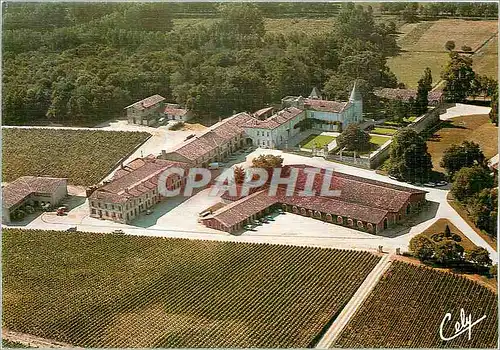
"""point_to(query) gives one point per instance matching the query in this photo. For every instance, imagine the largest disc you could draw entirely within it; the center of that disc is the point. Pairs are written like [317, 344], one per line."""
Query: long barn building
[363, 204]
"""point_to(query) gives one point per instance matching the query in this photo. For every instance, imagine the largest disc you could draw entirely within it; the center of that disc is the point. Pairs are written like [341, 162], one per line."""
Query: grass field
[378, 140]
[83, 156]
[384, 131]
[9, 344]
[408, 304]
[477, 128]
[97, 290]
[440, 225]
[318, 140]
[485, 62]
[423, 46]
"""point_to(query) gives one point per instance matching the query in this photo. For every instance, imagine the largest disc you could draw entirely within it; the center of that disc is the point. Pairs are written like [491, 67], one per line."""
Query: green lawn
[318, 140]
[384, 131]
[378, 140]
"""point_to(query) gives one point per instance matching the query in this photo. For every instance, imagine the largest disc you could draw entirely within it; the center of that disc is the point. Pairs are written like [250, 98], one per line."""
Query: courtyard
[317, 141]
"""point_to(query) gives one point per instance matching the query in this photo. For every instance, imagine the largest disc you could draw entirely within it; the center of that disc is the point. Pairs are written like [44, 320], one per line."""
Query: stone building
[133, 190]
[33, 191]
[173, 111]
[363, 204]
[329, 115]
[146, 112]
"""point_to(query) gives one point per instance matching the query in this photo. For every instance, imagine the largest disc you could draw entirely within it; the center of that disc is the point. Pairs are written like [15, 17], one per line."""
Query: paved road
[354, 303]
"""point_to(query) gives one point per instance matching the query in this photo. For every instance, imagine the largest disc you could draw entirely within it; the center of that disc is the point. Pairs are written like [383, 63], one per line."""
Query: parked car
[269, 217]
[189, 137]
[442, 183]
[430, 184]
[119, 232]
[280, 211]
[60, 212]
[149, 212]
[249, 227]
[264, 220]
[205, 214]
[257, 222]
[214, 166]
[71, 229]
[392, 177]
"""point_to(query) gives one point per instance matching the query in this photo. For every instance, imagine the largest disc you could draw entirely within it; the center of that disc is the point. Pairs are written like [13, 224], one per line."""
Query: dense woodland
[82, 63]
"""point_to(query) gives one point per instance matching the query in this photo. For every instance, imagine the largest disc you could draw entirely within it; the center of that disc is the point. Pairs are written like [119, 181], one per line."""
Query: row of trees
[82, 63]
[473, 184]
[411, 11]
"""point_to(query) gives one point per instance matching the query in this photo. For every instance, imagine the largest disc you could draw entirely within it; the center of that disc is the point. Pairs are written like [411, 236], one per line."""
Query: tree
[450, 45]
[457, 157]
[494, 107]
[448, 251]
[422, 247]
[469, 181]
[398, 110]
[458, 76]
[408, 156]
[353, 138]
[494, 271]
[424, 86]
[482, 208]
[239, 175]
[268, 161]
[478, 256]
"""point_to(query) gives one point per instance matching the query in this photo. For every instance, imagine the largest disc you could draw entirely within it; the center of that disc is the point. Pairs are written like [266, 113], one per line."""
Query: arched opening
[295, 209]
[310, 212]
[350, 222]
[329, 217]
[284, 207]
[360, 224]
[385, 223]
[340, 220]
[303, 211]
[369, 226]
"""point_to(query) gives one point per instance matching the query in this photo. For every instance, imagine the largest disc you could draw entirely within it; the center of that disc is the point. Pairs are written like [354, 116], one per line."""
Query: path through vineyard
[32, 341]
[353, 305]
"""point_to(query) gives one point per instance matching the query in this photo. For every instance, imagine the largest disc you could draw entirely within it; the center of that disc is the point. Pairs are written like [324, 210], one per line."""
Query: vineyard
[83, 156]
[97, 290]
[408, 305]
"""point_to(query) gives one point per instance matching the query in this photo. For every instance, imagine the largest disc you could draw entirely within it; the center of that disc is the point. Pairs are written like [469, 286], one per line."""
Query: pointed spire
[315, 94]
[355, 94]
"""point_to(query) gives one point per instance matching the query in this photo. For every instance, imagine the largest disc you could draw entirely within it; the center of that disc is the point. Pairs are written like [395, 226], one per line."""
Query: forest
[82, 63]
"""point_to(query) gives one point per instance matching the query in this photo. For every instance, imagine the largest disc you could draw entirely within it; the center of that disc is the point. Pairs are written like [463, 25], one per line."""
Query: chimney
[121, 165]
[220, 119]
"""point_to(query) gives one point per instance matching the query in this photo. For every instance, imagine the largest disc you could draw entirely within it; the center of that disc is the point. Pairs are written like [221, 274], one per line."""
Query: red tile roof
[134, 180]
[360, 198]
[177, 112]
[262, 111]
[217, 135]
[324, 105]
[275, 120]
[24, 186]
[147, 102]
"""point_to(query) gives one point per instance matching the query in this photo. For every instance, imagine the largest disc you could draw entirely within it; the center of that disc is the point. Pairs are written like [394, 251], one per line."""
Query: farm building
[213, 145]
[406, 95]
[146, 112]
[132, 190]
[363, 204]
[31, 191]
[175, 112]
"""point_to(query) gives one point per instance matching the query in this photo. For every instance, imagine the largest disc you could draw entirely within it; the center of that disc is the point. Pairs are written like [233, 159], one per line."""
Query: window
[92, 203]
[93, 211]
[99, 204]
[107, 214]
[268, 144]
[118, 208]
[112, 206]
[258, 133]
[268, 134]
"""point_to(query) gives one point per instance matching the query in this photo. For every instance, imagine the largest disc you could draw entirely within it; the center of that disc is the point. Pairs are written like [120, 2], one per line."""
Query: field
[423, 43]
[477, 128]
[408, 304]
[384, 131]
[485, 60]
[83, 156]
[318, 140]
[97, 290]
[440, 225]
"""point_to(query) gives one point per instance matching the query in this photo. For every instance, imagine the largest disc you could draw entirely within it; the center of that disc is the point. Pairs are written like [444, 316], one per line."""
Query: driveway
[462, 109]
